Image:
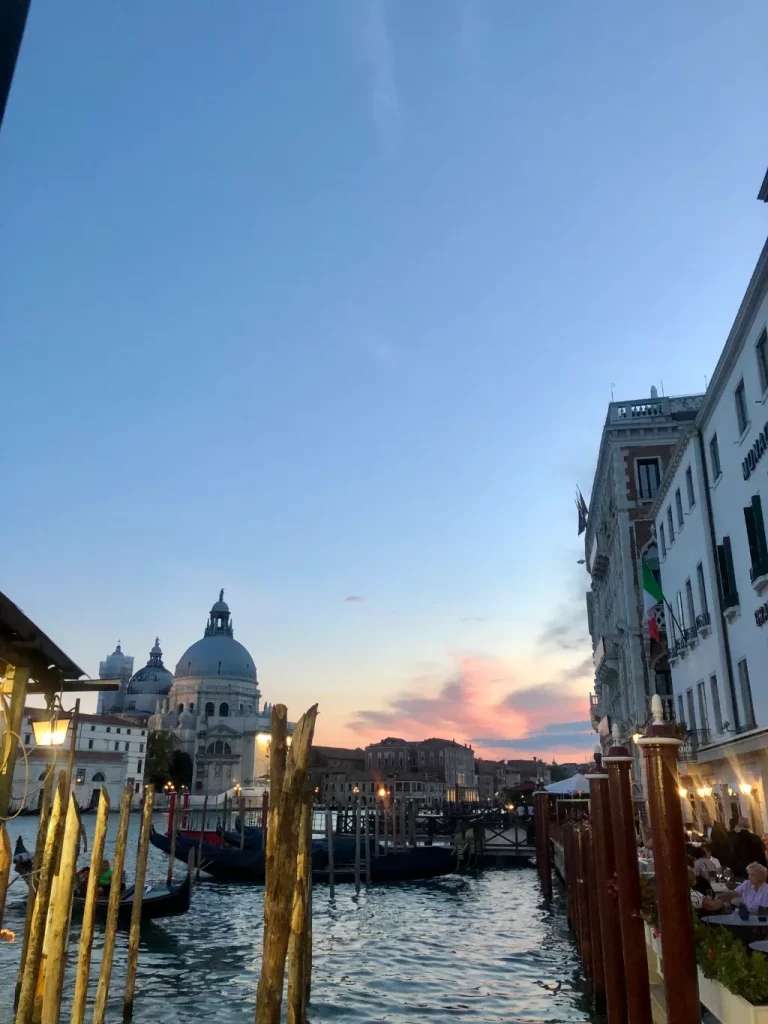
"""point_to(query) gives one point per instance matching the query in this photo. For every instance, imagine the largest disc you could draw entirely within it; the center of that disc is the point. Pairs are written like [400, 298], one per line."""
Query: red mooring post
[618, 762]
[607, 899]
[598, 970]
[543, 850]
[582, 882]
[660, 746]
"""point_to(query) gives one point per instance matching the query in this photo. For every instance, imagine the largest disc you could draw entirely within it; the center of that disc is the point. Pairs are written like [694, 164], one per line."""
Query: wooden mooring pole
[5, 867]
[357, 846]
[138, 896]
[281, 863]
[300, 943]
[618, 762]
[201, 837]
[329, 839]
[660, 746]
[607, 904]
[89, 911]
[598, 969]
[543, 849]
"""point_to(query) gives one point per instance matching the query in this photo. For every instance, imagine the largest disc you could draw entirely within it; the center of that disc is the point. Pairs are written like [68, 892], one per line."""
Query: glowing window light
[745, 789]
[682, 792]
[704, 791]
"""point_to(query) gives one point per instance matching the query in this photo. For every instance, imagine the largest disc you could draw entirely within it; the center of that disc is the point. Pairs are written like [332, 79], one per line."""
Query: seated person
[706, 904]
[754, 892]
[705, 865]
[81, 881]
[105, 878]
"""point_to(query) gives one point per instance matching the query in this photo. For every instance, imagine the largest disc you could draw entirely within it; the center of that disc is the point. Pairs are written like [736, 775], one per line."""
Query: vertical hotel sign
[755, 453]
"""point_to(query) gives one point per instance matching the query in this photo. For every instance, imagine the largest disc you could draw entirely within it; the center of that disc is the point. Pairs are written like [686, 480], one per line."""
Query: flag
[653, 603]
[581, 507]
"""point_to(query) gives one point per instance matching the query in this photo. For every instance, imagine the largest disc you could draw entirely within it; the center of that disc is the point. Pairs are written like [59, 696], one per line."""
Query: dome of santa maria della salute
[217, 655]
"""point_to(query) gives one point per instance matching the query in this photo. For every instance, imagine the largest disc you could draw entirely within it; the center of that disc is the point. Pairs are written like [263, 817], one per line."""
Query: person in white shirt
[707, 866]
[754, 892]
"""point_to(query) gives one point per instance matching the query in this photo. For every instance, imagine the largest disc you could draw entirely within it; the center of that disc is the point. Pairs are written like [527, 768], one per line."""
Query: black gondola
[231, 864]
[159, 900]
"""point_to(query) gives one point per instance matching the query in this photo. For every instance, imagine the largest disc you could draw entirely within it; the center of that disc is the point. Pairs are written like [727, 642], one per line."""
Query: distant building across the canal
[110, 751]
[139, 692]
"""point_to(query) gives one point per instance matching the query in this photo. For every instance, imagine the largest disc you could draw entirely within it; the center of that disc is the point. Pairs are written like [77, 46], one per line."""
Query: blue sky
[327, 299]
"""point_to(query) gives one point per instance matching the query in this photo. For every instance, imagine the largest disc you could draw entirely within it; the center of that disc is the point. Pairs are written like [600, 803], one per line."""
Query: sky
[323, 303]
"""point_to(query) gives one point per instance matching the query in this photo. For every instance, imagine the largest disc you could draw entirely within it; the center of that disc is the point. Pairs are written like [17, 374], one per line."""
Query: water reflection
[473, 949]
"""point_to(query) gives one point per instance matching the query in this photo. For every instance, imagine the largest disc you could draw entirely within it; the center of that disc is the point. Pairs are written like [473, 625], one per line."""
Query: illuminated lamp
[745, 789]
[682, 792]
[50, 732]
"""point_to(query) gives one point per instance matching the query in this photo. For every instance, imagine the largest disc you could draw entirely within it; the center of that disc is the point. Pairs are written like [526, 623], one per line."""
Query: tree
[180, 769]
[160, 748]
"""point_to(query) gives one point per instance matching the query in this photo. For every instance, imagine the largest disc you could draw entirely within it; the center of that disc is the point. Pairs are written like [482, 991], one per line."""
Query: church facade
[213, 709]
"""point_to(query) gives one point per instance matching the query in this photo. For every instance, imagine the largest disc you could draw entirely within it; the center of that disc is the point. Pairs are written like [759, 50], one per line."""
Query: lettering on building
[761, 615]
[755, 453]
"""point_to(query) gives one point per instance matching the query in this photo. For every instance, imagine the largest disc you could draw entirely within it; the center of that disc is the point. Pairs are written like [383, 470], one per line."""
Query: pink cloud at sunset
[482, 705]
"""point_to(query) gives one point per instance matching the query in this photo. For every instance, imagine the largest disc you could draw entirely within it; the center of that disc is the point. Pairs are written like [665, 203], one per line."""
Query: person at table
[705, 904]
[747, 848]
[705, 865]
[754, 892]
[720, 844]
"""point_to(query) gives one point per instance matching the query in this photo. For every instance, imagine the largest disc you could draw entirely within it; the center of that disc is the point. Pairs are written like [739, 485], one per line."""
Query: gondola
[231, 864]
[159, 900]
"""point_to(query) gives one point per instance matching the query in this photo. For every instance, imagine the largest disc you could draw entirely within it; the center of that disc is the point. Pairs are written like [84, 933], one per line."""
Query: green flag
[651, 585]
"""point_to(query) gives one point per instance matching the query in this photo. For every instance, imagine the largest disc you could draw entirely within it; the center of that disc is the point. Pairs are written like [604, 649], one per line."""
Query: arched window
[218, 747]
[227, 749]
[210, 710]
[223, 710]
[98, 777]
[180, 708]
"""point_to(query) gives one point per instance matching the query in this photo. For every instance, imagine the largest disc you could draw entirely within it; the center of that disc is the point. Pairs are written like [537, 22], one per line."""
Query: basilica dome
[154, 679]
[218, 654]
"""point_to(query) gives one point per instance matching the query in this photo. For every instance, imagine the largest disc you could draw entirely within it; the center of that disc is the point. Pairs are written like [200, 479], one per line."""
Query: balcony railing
[693, 741]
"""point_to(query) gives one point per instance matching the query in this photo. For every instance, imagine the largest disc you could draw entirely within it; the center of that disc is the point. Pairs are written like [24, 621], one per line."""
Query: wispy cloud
[565, 632]
[354, 598]
[469, 706]
[378, 53]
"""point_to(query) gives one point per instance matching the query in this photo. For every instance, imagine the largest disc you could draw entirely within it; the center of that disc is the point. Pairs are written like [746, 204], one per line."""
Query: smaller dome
[154, 679]
[220, 607]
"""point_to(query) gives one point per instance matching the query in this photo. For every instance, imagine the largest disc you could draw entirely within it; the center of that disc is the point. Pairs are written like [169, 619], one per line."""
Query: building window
[128, 731]
[210, 710]
[728, 591]
[691, 606]
[143, 732]
[117, 729]
[663, 539]
[136, 787]
[93, 728]
[138, 766]
[670, 525]
[701, 693]
[702, 589]
[141, 748]
[109, 728]
[762, 359]
[716, 703]
[740, 398]
[223, 710]
[90, 744]
[680, 614]
[691, 710]
[648, 478]
[746, 695]
[27, 739]
[679, 506]
[714, 457]
[180, 708]
[127, 746]
[98, 777]
[689, 487]
[758, 550]
[80, 777]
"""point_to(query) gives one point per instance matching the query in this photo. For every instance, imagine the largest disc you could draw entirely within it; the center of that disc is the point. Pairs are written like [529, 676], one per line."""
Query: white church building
[214, 710]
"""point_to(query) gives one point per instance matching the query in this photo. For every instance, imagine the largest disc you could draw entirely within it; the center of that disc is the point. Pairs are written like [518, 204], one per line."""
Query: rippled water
[469, 949]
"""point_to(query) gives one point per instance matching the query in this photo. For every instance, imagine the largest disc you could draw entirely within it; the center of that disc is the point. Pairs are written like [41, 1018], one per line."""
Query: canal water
[475, 949]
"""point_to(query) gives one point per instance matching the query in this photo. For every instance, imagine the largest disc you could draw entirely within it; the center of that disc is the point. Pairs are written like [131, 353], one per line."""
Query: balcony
[691, 635]
[594, 709]
[758, 575]
[693, 741]
[678, 648]
[731, 607]
[683, 407]
[703, 624]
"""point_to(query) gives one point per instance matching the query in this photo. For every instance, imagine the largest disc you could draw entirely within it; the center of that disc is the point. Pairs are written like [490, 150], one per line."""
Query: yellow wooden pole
[31, 965]
[281, 871]
[89, 911]
[138, 894]
[113, 908]
[300, 945]
[14, 686]
[58, 929]
[5, 867]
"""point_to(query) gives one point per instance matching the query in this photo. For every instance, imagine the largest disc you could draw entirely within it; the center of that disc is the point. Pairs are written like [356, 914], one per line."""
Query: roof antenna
[612, 387]
[662, 388]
